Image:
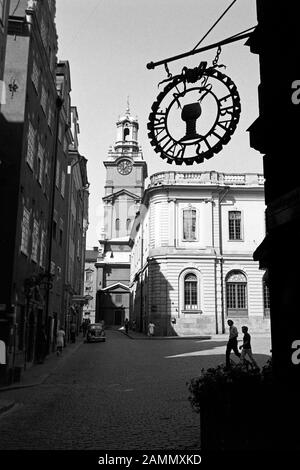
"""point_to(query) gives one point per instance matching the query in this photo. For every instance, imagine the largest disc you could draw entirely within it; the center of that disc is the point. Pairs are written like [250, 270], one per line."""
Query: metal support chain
[216, 59]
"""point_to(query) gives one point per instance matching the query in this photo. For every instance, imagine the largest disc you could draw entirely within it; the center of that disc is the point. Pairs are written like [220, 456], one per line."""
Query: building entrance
[118, 317]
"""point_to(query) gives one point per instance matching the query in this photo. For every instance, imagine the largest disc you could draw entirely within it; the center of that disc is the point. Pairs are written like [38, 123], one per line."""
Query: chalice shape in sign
[190, 113]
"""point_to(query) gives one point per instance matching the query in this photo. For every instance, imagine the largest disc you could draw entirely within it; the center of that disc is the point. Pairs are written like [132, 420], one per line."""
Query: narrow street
[123, 394]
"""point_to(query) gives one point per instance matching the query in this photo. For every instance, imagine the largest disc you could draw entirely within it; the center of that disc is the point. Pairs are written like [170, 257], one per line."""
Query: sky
[108, 44]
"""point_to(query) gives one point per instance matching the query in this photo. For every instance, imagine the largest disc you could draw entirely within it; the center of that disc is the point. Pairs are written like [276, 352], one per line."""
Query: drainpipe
[221, 197]
[141, 274]
[215, 265]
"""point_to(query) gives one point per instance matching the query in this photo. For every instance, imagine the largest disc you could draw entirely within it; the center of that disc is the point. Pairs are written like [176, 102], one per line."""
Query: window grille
[235, 225]
[236, 294]
[31, 145]
[189, 224]
[190, 292]
[25, 231]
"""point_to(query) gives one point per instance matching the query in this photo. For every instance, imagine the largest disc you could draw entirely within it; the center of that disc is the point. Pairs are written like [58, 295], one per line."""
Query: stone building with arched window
[192, 264]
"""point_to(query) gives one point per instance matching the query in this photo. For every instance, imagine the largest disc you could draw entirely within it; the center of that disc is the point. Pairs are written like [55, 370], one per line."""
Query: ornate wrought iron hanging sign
[194, 116]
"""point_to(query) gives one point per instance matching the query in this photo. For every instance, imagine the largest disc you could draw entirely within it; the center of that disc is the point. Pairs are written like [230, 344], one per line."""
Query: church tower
[126, 172]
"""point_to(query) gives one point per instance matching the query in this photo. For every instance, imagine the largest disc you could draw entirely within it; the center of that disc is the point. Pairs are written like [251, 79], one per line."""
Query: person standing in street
[246, 349]
[126, 325]
[232, 344]
[151, 327]
[60, 341]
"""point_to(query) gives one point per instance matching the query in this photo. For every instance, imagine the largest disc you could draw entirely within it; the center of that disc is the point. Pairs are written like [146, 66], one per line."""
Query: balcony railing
[206, 177]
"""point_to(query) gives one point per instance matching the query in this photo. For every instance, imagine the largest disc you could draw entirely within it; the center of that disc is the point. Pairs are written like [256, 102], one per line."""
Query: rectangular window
[189, 224]
[190, 292]
[54, 229]
[60, 132]
[52, 268]
[40, 163]
[43, 249]
[63, 183]
[234, 221]
[65, 145]
[46, 180]
[25, 231]
[44, 99]
[44, 32]
[50, 115]
[57, 178]
[31, 145]
[61, 230]
[35, 241]
[236, 299]
[35, 75]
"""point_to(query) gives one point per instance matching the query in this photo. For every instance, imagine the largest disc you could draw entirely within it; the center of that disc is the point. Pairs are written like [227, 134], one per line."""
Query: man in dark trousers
[232, 344]
[246, 349]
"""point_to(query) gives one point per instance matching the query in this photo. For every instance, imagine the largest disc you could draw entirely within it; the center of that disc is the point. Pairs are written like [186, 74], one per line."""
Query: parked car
[95, 332]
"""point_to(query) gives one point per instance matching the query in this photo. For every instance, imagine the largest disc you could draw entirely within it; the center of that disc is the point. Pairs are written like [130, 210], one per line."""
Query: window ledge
[193, 311]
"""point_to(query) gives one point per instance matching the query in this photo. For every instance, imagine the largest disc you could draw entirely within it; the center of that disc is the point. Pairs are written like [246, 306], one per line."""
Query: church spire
[128, 107]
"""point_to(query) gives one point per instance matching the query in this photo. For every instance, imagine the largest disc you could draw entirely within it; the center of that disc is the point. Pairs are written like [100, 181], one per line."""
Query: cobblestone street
[123, 394]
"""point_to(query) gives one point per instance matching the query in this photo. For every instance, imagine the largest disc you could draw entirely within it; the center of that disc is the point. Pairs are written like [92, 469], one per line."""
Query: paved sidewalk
[38, 373]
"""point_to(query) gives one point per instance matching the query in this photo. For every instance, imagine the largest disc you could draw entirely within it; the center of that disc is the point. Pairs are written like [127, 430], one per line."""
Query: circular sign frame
[216, 92]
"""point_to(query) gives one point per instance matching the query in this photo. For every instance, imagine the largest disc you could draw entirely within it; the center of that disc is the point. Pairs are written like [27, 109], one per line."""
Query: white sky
[108, 44]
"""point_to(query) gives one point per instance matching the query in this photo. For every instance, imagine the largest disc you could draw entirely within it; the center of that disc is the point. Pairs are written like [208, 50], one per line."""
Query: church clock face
[124, 167]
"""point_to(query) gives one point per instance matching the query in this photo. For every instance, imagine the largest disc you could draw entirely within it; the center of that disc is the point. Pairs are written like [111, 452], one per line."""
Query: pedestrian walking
[232, 344]
[2, 352]
[73, 332]
[60, 341]
[84, 326]
[246, 353]
[126, 323]
[151, 327]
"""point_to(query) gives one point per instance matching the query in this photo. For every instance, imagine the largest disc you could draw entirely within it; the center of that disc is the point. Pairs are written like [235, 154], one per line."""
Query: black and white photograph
[150, 209]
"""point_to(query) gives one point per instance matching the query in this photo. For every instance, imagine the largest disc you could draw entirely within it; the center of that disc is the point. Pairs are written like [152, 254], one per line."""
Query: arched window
[126, 132]
[236, 294]
[117, 225]
[189, 224]
[266, 295]
[128, 224]
[190, 292]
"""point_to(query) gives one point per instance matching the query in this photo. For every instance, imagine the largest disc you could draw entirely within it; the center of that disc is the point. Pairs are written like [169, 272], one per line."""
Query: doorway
[118, 317]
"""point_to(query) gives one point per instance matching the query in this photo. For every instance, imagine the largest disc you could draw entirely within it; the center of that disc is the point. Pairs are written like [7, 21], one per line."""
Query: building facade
[192, 262]
[126, 172]
[28, 130]
[90, 284]
[36, 140]
[77, 224]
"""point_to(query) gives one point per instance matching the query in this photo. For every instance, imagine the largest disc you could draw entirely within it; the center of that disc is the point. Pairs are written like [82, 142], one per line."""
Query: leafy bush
[221, 384]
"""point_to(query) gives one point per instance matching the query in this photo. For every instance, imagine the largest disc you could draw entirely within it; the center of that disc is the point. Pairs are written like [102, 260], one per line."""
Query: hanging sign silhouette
[194, 116]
